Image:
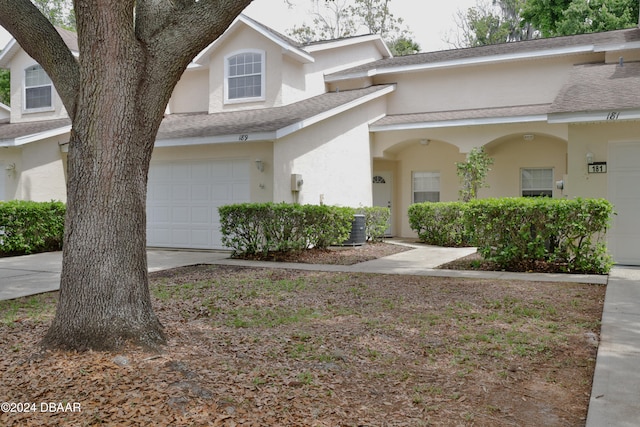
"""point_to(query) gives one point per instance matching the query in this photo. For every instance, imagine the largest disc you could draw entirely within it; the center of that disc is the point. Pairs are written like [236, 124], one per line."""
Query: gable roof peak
[289, 46]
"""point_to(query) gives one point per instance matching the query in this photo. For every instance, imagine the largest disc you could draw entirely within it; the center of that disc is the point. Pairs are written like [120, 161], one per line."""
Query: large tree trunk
[104, 295]
[132, 54]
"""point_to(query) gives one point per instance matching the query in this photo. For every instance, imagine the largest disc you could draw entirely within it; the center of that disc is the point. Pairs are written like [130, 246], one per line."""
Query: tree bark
[115, 93]
[104, 295]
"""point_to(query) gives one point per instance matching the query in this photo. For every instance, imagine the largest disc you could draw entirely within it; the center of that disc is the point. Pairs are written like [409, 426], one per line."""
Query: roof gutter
[459, 122]
[22, 140]
[463, 62]
[595, 116]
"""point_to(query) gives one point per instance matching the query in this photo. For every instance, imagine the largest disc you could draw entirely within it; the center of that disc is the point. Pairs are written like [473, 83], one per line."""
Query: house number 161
[613, 115]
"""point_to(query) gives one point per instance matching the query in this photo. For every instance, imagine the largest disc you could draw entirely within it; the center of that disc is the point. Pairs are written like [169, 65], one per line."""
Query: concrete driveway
[33, 274]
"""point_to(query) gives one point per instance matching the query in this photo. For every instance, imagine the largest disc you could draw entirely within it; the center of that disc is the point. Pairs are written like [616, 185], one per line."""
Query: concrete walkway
[615, 396]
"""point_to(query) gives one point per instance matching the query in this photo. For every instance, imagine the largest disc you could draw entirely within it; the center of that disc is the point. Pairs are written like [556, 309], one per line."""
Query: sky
[430, 22]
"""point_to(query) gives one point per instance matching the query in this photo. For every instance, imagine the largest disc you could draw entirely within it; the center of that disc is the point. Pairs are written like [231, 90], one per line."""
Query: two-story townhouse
[354, 126]
[560, 118]
[249, 113]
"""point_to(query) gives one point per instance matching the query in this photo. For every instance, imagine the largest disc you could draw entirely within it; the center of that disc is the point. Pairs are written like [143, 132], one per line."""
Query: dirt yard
[275, 347]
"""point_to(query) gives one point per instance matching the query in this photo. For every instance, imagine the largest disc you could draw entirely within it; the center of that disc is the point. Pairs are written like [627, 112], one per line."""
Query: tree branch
[173, 32]
[41, 41]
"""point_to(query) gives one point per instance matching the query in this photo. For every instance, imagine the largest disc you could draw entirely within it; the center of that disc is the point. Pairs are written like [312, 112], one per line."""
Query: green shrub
[513, 231]
[376, 221]
[440, 223]
[254, 228]
[30, 227]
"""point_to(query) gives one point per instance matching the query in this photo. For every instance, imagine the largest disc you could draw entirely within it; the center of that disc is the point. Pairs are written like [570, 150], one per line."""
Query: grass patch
[36, 308]
[285, 347]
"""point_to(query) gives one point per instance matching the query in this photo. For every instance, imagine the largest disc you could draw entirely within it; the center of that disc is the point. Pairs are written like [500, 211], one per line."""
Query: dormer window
[244, 77]
[38, 89]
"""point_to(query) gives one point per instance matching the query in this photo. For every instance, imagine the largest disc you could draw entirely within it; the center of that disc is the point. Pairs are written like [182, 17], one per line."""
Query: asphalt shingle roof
[479, 113]
[10, 131]
[532, 46]
[193, 125]
[598, 87]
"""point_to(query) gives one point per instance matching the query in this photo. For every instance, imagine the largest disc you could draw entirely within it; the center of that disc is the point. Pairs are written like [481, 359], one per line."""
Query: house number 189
[243, 137]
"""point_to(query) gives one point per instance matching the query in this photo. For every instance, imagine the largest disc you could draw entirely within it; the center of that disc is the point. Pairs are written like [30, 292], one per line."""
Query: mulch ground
[272, 347]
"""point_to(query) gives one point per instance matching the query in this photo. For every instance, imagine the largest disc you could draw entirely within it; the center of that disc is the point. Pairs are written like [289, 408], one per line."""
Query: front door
[382, 194]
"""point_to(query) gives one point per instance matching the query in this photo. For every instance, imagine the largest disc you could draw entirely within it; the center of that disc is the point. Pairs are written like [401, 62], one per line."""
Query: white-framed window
[426, 187]
[536, 182]
[244, 76]
[38, 89]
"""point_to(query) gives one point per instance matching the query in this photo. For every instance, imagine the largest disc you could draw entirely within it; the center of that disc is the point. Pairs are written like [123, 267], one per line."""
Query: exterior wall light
[260, 165]
[589, 158]
[11, 170]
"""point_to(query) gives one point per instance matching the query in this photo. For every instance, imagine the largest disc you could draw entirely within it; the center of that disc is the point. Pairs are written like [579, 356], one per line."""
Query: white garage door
[183, 199]
[624, 193]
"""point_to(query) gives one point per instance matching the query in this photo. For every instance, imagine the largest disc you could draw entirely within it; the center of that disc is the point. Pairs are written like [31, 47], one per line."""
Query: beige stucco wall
[437, 156]
[18, 64]
[261, 183]
[595, 138]
[337, 59]
[191, 94]
[387, 144]
[243, 40]
[294, 84]
[510, 152]
[40, 173]
[332, 156]
[481, 86]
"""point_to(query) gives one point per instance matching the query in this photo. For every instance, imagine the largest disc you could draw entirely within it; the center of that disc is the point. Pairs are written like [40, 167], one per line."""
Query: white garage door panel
[183, 200]
[624, 194]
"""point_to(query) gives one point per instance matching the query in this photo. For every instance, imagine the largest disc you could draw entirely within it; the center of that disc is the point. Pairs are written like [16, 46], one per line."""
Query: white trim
[26, 110]
[528, 55]
[335, 111]
[271, 136]
[287, 48]
[617, 47]
[263, 88]
[22, 140]
[551, 186]
[430, 174]
[220, 139]
[336, 44]
[8, 52]
[611, 116]
[460, 122]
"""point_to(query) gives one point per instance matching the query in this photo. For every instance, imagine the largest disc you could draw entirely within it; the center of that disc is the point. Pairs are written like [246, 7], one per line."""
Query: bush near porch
[30, 227]
[261, 228]
[520, 232]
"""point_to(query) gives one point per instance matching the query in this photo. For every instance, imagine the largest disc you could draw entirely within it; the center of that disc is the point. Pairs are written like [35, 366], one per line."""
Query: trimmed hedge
[440, 224]
[520, 230]
[254, 228]
[30, 227]
[517, 231]
[376, 221]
